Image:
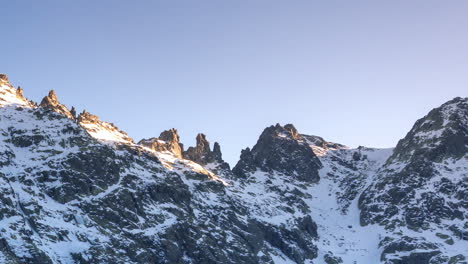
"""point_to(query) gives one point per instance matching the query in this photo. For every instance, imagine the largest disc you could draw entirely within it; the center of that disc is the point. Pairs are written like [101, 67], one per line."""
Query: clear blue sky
[354, 72]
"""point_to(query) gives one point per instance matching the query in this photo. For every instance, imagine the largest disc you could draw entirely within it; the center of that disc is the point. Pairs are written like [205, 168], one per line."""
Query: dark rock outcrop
[217, 155]
[440, 135]
[202, 153]
[413, 251]
[73, 112]
[280, 149]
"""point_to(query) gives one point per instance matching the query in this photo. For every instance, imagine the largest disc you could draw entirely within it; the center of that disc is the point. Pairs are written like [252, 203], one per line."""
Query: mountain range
[76, 189]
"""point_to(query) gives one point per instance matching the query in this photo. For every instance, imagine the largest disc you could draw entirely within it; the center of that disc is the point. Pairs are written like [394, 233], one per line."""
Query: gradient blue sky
[354, 72]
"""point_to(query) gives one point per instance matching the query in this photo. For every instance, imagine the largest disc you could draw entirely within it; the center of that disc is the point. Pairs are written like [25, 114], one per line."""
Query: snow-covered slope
[103, 131]
[80, 190]
[356, 205]
[345, 174]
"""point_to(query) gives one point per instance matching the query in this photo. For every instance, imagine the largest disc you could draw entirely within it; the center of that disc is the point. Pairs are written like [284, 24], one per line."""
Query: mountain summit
[51, 102]
[441, 134]
[80, 190]
[281, 149]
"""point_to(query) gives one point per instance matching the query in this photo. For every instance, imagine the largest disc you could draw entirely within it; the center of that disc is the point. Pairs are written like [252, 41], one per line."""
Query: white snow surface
[340, 232]
[8, 96]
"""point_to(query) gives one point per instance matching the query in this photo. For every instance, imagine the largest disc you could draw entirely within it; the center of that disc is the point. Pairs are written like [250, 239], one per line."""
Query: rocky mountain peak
[201, 153]
[212, 159]
[170, 135]
[51, 102]
[3, 78]
[288, 131]
[218, 156]
[203, 146]
[422, 186]
[52, 96]
[20, 92]
[10, 95]
[442, 133]
[168, 140]
[280, 149]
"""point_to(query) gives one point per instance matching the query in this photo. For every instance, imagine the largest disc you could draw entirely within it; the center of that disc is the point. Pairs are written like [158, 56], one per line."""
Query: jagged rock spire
[73, 112]
[20, 92]
[172, 138]
[51, 102]
[202, 153]
[203, 146]
[4, 78]
[52, 96]
[170, 135]
[169, 140]
[4, 81]
[217, 155]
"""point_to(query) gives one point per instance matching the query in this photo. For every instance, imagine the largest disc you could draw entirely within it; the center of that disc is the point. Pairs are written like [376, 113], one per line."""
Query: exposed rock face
[440, 135]
[87, 117]
[168, 140]
[281, 149]
[203, 155]
[424, 184]
[51, 102]
[217, 155]
[20, 93]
